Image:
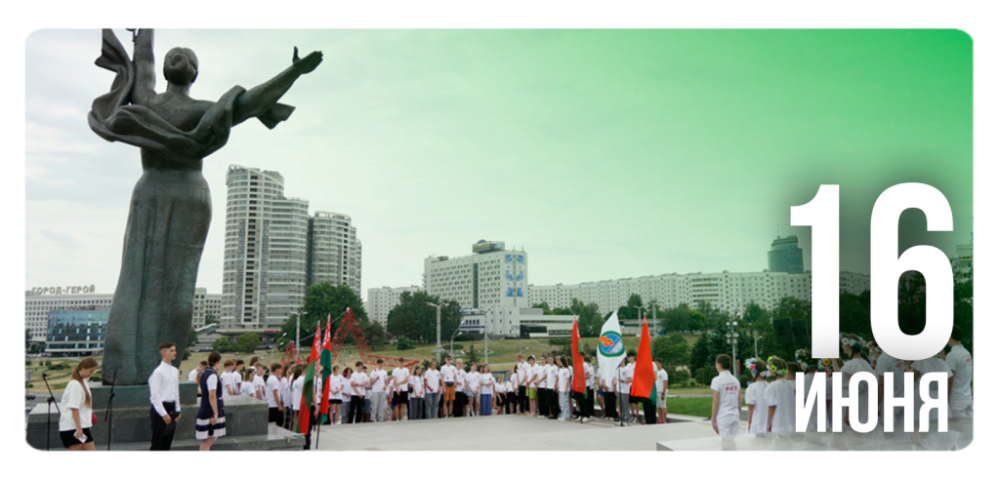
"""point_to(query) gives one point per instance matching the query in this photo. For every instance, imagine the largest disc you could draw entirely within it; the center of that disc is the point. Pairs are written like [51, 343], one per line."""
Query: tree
[696, 321]
[247, 342]
[673, 350]
[415, 319]
[27, 340]
[404, 343]
[629, 311]
[211, 319]
[700, 354]
[222, 345]
[324, 299]
[544, 306]
[374, 334]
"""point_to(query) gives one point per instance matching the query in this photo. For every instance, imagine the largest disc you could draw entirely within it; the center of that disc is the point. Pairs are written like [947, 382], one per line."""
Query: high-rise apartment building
[274, 251]
[382, 300]
[785, 255]
[491, 277]
[334, 251]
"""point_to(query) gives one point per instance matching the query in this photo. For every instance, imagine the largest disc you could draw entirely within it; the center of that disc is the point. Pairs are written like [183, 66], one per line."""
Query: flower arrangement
[774, 369]
[802, 355]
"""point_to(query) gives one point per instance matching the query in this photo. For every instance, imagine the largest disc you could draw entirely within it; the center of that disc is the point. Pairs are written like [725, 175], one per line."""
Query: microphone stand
[111, 397]
[48, 414]
[621, 412]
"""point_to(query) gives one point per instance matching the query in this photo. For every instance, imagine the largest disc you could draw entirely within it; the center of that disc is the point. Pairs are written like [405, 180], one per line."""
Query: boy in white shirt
[661, 391]
[258, 381]
[551, 373]
[378, 379]
[357, 386]
[959, 361]
[522, 384]
[401, 395]
[275, 405]
[725, 402]
[432, 384]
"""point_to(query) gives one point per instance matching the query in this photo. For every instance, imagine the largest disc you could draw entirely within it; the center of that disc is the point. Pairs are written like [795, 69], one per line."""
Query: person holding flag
[579, 385]
[307, 411]
[644, 376]
[610, 353]
[326, 363]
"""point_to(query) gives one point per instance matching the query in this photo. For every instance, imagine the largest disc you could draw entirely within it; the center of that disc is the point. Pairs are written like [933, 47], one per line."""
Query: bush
[222, 345]
[561, 341]
[459, 346]
[48, 363]
[57, 367]
[679, 375]
[404, 343]
[705, 374]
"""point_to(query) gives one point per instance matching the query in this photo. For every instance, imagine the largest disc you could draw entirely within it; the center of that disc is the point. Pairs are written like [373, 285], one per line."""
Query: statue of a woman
[171, 206]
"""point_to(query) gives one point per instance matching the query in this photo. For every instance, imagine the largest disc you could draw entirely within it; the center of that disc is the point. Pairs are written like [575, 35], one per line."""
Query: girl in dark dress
[210, 423]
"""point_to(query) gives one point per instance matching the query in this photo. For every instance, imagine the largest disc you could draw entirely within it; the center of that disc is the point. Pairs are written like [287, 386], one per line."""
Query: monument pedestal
[131, 428]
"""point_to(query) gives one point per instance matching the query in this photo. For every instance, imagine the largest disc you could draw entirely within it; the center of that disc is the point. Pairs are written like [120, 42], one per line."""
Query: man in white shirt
[543, 394]
[193, 375]
[725, 402]
[522, 384]
[165, 396]
[401, 395]
[275, 405]
[432, 383]
[551, 373]
[624, 379]
[448, 375]
[258, 381]
[661, 392]
[461, 399]
[959, 360]
[357, 385]
[378, 379]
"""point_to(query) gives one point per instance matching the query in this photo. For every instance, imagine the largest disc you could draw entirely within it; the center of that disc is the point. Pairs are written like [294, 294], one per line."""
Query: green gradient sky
[604, 153]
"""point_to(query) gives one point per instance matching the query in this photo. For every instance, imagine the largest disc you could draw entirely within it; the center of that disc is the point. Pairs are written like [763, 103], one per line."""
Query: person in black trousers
[164, 394]
[358, 396]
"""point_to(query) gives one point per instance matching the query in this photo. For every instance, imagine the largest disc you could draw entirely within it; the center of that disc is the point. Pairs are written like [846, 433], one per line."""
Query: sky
[605, 154]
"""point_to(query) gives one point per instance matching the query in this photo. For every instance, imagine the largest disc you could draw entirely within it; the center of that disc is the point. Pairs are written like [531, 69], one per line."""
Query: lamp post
[732, 337]
[438, 349]
[486, 335]
[298, 332]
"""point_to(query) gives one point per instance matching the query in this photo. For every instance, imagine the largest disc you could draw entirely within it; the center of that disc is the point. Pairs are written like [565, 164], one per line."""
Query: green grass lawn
[690, 406]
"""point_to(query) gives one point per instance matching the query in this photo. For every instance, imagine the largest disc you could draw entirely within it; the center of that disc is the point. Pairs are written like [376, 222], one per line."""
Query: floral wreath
[774, 369]
[802, 355]
[853, 343]
[753, 364]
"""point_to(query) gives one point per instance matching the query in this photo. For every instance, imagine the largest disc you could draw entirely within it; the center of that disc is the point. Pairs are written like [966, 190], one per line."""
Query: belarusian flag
[324, 361]
[644, 376]
[579, 380]
[307, 388]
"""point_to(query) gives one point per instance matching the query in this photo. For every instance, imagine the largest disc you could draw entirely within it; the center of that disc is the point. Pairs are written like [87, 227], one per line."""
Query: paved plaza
[507, 433]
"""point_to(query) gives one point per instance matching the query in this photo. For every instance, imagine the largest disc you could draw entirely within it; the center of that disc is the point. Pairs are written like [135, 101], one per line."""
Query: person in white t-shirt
[661, 391]
[224, 377]
[512, 400]
[417, 397]
[76, 408]
[461, 399]
[345, 395]
[246, 387]
[285, 390]
[472, 388]
[959, 361]
[499, 397]
[272, 395]
[531, 380]
[378, 379]
[448, 374]
[725, 402]
[366, 415]
[551, 375]
[754, 396]
[432, 386]
[624, 379]
[193, 375]
[563, 376]
[333, 396]
[852, 346]
[358, 382]
[486, 390]
[780, 399]
[401, 390]
[258, 381]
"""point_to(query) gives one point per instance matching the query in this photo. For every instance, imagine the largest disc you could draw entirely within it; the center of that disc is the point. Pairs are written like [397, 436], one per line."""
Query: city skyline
[604, 154]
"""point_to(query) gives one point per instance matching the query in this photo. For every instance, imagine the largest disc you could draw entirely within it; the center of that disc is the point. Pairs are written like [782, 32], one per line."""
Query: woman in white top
[336, 386]
[76, 408]
[472, 388]
[246, 387]
[563, 376]
[754, 396]
[486, 390]
[286, 393]
[852, 346]
[417, 396]
[499, 396]
[780, 399]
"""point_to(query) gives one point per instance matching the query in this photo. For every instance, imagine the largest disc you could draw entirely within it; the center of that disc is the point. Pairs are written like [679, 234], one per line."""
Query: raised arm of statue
[258, 99]
[145, 65]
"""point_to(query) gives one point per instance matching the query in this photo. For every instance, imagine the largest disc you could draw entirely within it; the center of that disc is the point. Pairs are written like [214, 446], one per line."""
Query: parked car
[29, 396]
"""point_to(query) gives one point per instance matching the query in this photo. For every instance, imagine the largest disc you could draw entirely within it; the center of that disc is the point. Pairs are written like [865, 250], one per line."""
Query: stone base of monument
[131, 428]
[958, 436]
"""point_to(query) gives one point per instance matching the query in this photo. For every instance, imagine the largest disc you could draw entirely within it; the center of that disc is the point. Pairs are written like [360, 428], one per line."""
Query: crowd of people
[536, 388]
[771, 396]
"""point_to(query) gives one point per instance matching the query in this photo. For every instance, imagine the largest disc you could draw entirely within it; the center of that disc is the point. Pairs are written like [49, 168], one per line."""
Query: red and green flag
[644, 377]
[579, 380]
[307, 389]
[325, 358]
